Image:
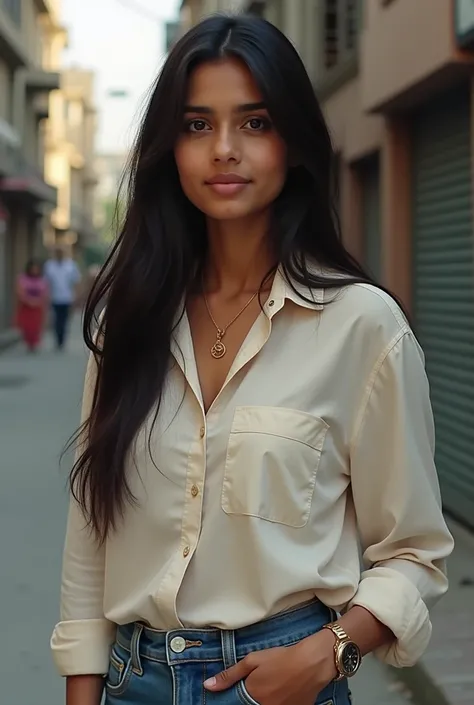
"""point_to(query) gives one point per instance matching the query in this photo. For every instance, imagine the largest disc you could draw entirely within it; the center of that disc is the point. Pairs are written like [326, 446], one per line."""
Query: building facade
[194, 10]
[395, 79]
[26, 199]
[110, 169]
[47, 141]
[70, 160]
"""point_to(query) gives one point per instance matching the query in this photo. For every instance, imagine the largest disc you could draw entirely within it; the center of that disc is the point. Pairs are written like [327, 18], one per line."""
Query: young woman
[254, 406]
[32, 302]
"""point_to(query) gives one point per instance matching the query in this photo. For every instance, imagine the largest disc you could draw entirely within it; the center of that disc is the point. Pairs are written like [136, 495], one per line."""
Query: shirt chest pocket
[272, 459]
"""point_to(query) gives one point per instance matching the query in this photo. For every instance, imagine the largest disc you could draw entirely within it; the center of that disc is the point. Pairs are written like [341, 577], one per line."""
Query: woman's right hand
[84, 690]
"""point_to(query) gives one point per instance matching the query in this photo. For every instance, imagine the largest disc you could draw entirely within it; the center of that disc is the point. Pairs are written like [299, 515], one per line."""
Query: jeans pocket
[247, 699]
[120, 672]
[244, 694]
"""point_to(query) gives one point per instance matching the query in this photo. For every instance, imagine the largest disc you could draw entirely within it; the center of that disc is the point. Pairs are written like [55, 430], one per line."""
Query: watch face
[350, 659]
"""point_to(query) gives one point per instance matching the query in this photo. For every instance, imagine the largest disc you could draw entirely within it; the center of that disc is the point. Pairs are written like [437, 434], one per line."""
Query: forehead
[225, 82]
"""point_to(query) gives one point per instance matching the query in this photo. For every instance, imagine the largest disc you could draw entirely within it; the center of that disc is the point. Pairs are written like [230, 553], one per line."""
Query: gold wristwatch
[347, 655]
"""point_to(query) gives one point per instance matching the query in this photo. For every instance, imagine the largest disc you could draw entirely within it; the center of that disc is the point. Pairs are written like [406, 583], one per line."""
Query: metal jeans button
[178, 644]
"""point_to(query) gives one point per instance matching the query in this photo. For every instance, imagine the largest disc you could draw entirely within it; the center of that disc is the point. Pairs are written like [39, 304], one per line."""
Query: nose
[226, 146]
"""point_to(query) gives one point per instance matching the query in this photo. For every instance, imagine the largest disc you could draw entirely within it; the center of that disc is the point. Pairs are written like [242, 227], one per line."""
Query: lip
[228, 184]
[227, 178]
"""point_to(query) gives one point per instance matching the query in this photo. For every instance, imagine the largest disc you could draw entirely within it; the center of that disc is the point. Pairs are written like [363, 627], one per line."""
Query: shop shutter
[443, 277]
[370, 173]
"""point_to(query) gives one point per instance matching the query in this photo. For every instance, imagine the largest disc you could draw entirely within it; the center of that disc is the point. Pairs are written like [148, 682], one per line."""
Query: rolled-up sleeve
[405, 540]
[81, 640]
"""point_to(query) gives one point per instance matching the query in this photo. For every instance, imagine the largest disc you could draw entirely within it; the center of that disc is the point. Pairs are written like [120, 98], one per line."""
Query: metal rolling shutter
[444, 287]
[372, 217]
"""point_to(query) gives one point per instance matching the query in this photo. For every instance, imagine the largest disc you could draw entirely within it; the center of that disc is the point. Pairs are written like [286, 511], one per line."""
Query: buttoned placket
[182, 348]
[190, 527]
[166, 596]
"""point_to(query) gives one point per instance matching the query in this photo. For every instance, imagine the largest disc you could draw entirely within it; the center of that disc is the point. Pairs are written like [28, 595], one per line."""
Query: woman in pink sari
[32, 297]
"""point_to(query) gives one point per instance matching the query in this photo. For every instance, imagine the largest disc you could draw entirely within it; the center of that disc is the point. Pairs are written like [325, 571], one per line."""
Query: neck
[240, 255]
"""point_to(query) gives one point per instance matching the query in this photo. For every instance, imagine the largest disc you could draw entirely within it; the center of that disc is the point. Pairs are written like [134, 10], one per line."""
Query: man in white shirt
[63, 277]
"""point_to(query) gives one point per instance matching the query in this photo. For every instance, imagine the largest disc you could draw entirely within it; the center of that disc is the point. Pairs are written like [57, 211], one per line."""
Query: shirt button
[178, 644]
[186, 551]
[202, 432]
[194, 491]
[271, 303]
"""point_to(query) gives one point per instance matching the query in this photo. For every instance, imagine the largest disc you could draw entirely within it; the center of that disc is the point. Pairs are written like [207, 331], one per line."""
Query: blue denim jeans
[150, 667]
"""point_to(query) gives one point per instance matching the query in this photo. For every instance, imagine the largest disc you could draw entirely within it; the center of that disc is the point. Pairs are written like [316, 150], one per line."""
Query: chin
[228, 211]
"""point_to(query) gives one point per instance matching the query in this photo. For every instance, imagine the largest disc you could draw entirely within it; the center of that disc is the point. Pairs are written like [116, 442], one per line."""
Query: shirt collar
[283, 290]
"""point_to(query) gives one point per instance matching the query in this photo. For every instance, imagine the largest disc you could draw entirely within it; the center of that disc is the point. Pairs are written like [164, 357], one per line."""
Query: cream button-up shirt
[322, 433]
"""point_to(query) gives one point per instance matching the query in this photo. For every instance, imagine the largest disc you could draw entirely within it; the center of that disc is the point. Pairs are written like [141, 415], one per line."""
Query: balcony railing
[13, 47]
[17, 174]
[341, 26]
[10, 144]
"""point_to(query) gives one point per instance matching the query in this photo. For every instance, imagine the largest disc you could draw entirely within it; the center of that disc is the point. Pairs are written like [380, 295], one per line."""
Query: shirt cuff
[82, 647]
[395, 602]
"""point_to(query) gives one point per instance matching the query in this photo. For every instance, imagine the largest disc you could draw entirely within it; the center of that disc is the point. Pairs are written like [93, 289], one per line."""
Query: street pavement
[39, 409]
[445, 673]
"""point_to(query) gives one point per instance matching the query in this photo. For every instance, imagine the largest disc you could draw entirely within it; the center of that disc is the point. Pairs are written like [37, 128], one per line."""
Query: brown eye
[197, 126]
[257, 124]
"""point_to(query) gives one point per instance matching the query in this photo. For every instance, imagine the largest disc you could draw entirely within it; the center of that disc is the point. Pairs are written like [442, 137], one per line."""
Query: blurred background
[396, 82]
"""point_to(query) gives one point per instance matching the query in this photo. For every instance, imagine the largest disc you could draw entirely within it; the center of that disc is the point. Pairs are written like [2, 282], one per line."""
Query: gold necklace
[218, 350]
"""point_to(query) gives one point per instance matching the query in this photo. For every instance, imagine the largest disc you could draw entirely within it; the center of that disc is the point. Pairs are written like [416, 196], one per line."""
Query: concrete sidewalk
[8, 337]
[39, 408]
[445, 675]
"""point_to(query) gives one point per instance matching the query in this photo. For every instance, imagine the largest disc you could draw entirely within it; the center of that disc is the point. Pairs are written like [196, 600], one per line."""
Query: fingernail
[210, 683]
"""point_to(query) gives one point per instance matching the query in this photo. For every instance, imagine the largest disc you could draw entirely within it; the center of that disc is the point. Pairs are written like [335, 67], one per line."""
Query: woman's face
[231, 161]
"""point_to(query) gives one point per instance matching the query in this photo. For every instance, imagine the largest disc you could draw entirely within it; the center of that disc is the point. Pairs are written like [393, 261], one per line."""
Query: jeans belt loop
[135, 649]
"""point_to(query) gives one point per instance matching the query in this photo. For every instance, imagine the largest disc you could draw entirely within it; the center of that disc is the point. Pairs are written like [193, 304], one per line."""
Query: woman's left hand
[283, 675]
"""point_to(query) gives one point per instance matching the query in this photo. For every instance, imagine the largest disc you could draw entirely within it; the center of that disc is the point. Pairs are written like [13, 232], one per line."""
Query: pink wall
[403, 42]
[407, 51]
[354, 133]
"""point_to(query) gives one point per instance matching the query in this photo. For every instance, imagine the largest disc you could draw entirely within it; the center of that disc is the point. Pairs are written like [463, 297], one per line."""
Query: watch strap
[341, 638]
[338, 631]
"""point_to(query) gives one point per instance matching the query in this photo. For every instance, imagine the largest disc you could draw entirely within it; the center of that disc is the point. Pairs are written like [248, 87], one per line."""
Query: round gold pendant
[218, 350]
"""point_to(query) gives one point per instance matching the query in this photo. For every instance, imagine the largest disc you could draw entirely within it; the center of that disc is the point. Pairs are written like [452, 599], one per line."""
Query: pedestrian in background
[254, 405]
[32, 304]
[63, 277]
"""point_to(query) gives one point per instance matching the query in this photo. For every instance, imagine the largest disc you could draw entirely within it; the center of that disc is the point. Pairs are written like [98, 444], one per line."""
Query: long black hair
[162, 243]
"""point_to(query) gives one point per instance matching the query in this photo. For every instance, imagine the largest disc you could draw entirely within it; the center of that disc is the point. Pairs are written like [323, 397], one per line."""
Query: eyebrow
[245, 108]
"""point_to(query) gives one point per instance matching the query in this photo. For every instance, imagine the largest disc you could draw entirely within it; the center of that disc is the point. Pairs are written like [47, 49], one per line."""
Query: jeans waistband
[188, 645]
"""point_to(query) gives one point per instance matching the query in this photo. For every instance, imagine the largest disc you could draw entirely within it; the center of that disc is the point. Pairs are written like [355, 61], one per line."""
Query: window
[13, 9]
[351, 23]
[341, 29]
[331, 48]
